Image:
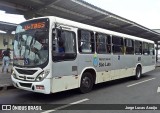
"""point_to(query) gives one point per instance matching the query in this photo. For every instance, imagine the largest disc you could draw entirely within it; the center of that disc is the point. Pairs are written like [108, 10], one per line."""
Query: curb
[6, 87]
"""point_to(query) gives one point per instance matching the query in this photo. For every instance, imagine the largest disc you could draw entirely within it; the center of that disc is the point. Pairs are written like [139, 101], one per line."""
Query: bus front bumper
[39, 87]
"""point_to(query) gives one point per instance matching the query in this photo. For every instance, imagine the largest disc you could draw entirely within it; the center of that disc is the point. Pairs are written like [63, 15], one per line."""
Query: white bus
[52, 54]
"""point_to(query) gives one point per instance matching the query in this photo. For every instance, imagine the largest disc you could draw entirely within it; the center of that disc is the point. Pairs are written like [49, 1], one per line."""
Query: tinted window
[31, 43]
[64, 47]
[151, 49]
[145, 48]
[103, 43]
[138, 47]
[85, 41]
[129, 46]
[117, 47]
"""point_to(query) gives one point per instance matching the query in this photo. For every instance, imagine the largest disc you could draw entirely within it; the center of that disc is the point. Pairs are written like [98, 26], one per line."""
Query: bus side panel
[148, 63]
[84, 61]
[64, 76]
[104, 68]
[123, 66]
[147, 60]
[147, 68]
[64, 83]
[120, 67]
[110, 67]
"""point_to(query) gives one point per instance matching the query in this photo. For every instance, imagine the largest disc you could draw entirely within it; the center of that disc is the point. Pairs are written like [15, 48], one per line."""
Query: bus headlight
[14, 74]
[42, 75]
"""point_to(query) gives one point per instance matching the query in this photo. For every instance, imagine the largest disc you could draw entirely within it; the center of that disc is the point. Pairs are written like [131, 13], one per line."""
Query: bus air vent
[26, 72]
[26, 85]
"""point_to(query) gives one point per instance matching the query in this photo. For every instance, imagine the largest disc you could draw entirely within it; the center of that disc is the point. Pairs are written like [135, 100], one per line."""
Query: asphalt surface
[120, 92]
[5, 78]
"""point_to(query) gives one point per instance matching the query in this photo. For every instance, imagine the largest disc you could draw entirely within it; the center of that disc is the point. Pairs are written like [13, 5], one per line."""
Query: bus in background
[52, 54]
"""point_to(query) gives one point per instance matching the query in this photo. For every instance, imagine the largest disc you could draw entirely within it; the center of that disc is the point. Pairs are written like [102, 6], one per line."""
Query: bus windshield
[31, 43]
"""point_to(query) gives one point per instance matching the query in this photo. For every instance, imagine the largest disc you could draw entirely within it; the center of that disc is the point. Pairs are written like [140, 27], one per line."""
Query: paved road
[124, 91]
[5, 79]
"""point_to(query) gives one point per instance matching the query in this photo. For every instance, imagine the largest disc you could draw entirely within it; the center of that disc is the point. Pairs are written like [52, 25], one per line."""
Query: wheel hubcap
[86, 82]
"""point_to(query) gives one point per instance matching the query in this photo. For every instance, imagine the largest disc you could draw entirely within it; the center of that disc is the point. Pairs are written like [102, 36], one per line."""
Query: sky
[143, 12]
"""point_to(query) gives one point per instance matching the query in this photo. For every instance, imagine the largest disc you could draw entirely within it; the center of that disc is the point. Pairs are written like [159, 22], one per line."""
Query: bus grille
[26, 85]
[26, 72]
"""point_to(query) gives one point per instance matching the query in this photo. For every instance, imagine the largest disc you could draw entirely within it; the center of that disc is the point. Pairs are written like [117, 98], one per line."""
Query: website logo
[6, 107]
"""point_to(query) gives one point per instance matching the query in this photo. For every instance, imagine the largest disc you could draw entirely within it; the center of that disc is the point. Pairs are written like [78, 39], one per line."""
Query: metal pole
[157, 51]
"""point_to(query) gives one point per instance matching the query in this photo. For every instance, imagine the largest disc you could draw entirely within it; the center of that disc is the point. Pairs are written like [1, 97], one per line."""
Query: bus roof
[92, 28]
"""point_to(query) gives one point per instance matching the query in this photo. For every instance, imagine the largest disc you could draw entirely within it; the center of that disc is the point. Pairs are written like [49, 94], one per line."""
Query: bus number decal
[119, 57]
[139, 58]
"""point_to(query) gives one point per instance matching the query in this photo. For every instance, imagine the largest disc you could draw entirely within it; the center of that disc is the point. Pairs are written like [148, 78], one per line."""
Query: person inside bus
[61, 48]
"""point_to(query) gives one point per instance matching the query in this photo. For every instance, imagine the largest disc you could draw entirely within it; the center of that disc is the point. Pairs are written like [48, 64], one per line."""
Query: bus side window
[85, 41]
[138, 47]
[101, 43]
[117, 47]
[64, 45]
[145, 48]
[151, 49]
[129, 45]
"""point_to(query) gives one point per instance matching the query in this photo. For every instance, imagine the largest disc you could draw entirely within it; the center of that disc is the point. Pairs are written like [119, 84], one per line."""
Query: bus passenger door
[64, 59]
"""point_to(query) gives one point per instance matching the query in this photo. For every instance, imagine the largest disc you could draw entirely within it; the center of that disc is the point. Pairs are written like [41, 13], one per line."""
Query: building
[6, 37]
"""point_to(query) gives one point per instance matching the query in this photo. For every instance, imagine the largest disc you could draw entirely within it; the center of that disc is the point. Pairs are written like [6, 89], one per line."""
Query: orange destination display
[37, 25]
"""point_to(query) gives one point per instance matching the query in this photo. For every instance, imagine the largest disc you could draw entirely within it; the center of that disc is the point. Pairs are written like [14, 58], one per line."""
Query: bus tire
[86, 82]
[138, 73]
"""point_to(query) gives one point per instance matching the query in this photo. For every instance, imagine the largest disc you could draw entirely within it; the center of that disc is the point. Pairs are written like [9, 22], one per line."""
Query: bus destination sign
[37, 25]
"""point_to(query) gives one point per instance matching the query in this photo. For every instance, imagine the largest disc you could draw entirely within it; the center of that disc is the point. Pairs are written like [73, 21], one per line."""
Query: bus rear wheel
[138, 73]
[86, 83]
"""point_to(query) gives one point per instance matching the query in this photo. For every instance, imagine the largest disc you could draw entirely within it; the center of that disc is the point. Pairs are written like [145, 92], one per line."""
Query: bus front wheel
[86, 83]
[138, 73]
